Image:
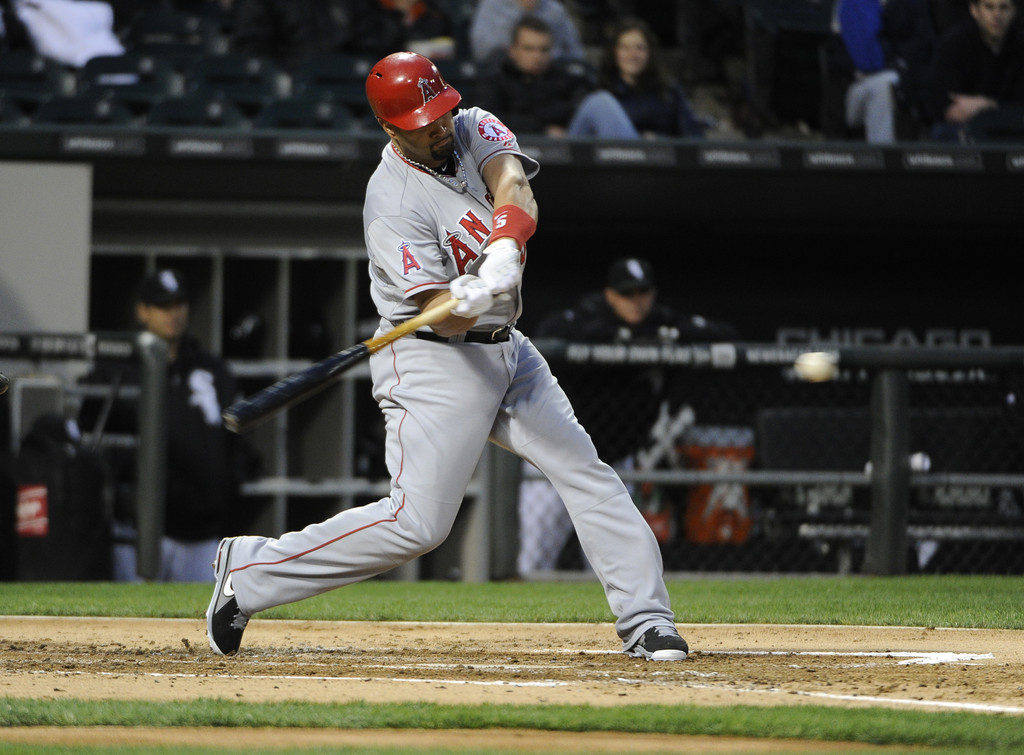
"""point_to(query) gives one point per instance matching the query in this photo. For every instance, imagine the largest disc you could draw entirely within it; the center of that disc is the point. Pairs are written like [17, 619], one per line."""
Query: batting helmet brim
[445, 102]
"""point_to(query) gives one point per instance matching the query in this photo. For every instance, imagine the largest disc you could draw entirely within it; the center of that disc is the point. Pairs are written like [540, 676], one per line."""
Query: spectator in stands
[70, 33]
[494, 21]
[625, 310]
[632, 69]
[205, 463]
[978, 65]
[880, 52]
[290, 31]
[533, 94]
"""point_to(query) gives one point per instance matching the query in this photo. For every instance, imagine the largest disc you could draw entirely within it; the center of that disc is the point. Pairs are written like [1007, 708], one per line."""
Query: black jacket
[205, 463]
[666, 113]
[528, 104]
[592, 320]
[964, 64]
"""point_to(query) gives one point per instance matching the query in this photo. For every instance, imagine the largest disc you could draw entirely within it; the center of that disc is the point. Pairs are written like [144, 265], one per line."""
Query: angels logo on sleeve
[409, 261]
[494, 130]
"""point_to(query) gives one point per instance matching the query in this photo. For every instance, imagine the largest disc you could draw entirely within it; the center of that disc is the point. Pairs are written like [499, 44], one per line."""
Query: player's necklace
[457, 181]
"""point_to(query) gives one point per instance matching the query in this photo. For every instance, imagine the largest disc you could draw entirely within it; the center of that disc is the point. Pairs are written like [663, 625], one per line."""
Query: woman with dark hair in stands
[632, 69]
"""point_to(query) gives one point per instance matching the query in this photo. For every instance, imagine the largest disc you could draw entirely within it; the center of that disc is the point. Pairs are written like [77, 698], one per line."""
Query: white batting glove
[474, 296]
[500, 269]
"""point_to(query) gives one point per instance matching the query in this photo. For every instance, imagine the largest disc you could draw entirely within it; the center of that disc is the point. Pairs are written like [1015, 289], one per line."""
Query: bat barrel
[297, 387]
[304, 383]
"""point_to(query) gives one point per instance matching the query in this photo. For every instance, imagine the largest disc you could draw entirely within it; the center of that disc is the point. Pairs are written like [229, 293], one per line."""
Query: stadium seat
[84, 109]
[338, 78]
[251, 82]
[1002, 125]
[138, 79]
[30, 78]
[198, 111]
[302, 113]
[178, 37]
[11, 113]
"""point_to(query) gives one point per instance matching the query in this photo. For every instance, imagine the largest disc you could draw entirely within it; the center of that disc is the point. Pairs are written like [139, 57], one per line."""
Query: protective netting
[791, 489]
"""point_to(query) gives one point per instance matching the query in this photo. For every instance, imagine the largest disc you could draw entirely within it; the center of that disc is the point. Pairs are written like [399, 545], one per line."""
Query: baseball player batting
[447, 215]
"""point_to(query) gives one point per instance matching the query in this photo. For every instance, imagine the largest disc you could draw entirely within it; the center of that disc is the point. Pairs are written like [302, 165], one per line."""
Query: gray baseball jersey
[442, 402]
[424, 230]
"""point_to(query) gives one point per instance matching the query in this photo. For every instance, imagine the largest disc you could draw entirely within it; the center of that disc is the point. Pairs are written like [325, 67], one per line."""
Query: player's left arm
[506, 180]
[514, 221]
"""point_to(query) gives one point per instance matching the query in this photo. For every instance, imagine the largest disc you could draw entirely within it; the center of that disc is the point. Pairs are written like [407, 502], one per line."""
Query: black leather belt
[472, 336]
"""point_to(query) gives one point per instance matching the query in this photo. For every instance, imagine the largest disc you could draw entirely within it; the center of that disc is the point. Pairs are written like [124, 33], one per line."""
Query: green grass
[176, 750]
[957, 601]
[967, 601]
[875, 726]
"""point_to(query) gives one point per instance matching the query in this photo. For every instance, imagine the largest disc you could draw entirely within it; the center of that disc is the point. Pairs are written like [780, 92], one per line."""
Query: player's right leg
[432, 446]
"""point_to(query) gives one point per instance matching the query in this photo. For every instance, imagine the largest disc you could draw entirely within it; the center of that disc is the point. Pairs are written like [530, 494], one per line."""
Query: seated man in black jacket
[532, 94]
[978, 66]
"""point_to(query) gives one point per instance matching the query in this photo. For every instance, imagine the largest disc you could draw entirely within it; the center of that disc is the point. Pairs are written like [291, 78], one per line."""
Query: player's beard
[443, 150]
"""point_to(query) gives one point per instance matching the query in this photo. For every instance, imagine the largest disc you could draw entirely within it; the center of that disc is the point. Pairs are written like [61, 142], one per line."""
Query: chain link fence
[739, 465]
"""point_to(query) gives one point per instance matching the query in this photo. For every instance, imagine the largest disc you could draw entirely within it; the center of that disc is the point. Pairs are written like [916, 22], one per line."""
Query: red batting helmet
[406, 89]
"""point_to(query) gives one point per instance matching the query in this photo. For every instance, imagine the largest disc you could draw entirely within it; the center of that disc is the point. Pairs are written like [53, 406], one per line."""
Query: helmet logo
[426, 89]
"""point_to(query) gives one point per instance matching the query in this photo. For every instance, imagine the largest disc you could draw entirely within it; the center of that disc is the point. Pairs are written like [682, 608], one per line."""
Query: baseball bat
[300, 385]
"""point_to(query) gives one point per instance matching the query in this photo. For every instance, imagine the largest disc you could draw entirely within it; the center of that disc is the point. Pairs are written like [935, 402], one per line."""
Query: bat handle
[429, 316]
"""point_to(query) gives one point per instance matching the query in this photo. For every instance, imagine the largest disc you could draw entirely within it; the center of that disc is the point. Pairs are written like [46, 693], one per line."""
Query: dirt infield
[156, 659]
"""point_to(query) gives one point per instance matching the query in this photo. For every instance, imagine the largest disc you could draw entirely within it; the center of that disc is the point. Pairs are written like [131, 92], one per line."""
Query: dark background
[823, 251]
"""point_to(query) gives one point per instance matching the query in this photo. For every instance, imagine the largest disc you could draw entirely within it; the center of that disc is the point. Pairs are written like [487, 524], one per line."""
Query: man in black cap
[205, 463]
[161, 307]
[625, 311]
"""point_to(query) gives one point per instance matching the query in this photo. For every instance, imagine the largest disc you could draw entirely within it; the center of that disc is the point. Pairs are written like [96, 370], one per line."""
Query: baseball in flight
[815, 366]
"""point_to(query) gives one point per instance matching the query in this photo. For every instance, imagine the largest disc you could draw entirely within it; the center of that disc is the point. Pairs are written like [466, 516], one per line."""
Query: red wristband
[513, 222]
